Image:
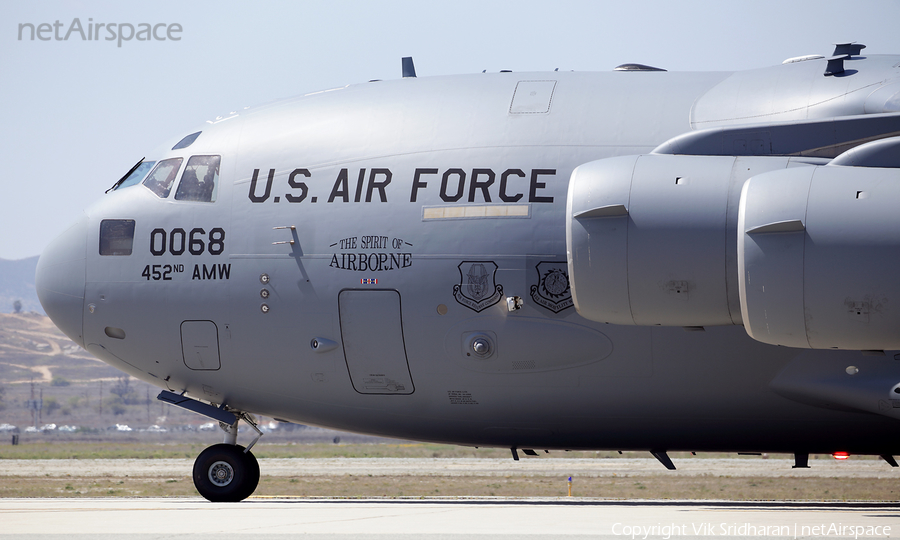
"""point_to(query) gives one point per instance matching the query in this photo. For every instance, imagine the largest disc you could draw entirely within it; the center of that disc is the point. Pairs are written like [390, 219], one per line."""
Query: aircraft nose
[60, 277]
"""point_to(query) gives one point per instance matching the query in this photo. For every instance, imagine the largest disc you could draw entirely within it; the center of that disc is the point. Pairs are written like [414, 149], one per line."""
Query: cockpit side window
[161, 178]
[116, 236]
[200, 180]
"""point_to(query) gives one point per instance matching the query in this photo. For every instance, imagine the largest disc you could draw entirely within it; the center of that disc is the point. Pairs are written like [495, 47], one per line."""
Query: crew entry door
[372, 333]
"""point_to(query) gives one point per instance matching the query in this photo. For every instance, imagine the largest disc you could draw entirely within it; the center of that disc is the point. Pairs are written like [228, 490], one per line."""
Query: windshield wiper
[117, 184]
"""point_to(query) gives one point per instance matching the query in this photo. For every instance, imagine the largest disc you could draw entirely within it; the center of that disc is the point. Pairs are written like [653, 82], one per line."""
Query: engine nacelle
[652, 239]
[818, 257]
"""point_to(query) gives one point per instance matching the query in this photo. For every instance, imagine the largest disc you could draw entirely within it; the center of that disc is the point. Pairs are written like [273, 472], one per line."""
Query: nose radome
[59, 280]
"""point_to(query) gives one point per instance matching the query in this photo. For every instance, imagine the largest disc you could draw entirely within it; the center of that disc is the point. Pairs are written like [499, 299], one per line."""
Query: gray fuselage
[392, 223]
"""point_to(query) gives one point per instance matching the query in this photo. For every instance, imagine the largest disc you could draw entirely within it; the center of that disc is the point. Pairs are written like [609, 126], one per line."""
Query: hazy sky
[77, 114]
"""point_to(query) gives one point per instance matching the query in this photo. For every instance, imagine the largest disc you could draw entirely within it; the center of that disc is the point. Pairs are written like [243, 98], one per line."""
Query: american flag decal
[368, 281]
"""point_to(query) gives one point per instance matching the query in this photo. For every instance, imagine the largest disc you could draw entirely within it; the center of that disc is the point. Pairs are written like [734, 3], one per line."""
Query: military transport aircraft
[636, 259]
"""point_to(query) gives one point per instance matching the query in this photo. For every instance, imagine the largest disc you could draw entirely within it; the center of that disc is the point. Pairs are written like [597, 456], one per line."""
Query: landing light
[840, 455]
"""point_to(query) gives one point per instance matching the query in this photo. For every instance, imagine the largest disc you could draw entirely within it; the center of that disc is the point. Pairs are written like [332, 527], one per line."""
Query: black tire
[252, 473]
[225, 473]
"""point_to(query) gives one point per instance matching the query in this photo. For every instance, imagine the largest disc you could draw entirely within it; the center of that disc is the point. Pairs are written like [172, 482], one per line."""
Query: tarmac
[441, 519]
[447, 518]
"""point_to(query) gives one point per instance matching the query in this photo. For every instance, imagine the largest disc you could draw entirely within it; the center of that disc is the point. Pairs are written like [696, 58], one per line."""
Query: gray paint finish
[548, 261]
[373, 342]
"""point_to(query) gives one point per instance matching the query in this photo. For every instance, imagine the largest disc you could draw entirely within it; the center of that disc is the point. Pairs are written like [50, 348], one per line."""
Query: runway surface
[436, 519]
[447, 518]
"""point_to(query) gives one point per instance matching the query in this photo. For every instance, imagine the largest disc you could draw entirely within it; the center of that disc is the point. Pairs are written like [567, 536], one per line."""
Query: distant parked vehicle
[269, 427]
[8, 428]
[68, 429]
[156, 429]
[209, 426]
[31, 429]
[48, 427]
[122, 427]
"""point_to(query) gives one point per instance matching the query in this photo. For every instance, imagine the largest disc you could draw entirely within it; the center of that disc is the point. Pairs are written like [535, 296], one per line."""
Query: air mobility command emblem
[552, 290]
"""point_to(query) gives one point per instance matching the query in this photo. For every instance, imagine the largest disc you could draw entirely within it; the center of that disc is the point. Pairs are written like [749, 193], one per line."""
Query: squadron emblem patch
[552, 291]
[476, 289]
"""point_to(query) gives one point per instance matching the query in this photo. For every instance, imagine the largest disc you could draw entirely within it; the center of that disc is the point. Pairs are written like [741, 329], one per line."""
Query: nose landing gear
[226, 473]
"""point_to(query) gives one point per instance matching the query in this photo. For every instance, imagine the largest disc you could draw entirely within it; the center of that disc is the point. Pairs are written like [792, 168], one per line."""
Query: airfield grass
[38, 449]
[355, 487]
[190, 450]
[703, 487]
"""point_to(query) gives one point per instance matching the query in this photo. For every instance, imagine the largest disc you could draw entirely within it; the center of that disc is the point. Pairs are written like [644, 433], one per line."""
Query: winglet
[663, 458]
[852, 48]
[836, 64]
[409, 69]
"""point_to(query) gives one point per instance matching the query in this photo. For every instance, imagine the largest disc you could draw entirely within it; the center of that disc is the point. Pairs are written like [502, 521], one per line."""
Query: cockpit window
[116, 236]
[187, 141]
[199, 180]
[160, 180]
[136, 175]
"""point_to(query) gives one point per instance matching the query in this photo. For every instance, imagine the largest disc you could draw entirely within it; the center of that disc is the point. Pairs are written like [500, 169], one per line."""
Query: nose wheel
[226, 473]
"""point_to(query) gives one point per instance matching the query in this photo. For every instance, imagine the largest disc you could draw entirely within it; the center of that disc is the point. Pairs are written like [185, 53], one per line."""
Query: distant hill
[17, 283]
[38, 362]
